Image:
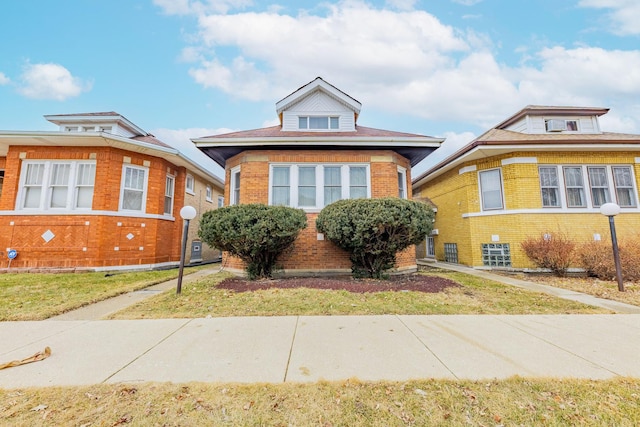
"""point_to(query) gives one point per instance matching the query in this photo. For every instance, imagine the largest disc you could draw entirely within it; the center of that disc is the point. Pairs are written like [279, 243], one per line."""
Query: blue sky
[449, 68]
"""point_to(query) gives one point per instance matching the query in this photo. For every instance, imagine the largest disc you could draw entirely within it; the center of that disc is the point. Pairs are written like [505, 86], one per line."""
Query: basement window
[496, 255]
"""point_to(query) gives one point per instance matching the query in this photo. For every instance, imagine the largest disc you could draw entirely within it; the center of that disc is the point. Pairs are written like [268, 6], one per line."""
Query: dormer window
[560, 125]
[71, 128]
[318, 122]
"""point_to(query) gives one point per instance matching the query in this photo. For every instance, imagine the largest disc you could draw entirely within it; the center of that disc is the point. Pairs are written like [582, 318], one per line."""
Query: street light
[187, 213]
[611, 210]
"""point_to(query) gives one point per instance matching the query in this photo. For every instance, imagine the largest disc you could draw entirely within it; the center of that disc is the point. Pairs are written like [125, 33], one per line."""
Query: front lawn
[37, 296]
[473, 296]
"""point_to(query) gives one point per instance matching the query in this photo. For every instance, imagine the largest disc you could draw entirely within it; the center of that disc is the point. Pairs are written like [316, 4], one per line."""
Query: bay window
[315, 186]
[603, 184]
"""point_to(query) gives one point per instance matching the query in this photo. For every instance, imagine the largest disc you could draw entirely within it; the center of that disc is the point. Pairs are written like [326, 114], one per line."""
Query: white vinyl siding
[491, 189]
[57, 185]
[133, 192]
[315, 186]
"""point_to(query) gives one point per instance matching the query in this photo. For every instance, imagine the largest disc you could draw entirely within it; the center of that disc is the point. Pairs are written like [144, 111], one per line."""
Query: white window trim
[232, 186]
[613, 196]
[190, 189]
[209, 194]
[502, 204]
[45, 193]
[293, 182]
[328, 116]
[173, 194]
[143, 209]
[403, 172]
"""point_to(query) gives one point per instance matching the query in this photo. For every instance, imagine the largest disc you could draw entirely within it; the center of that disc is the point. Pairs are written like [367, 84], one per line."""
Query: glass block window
[496, 255]
[451, 252]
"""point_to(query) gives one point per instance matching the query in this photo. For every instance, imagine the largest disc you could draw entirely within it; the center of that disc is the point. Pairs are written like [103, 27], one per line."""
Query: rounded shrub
[373, 231]
[257, 234]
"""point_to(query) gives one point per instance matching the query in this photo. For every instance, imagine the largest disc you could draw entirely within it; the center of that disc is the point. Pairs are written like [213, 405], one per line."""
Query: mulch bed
[407, 282]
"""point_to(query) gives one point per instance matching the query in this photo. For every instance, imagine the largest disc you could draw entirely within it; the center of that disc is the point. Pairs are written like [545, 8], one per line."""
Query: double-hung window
[190, 185]
[209, 194]
[57, 185]
[315, 186]
[234, 195]
[402, 183]
[133, 193]
[574, 183]
[623, 183]
[168, 195]
[599, 185]
[491, 189]
[549, 186]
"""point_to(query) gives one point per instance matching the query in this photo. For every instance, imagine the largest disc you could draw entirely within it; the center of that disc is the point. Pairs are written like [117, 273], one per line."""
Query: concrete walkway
[313, 348]
[86, 350]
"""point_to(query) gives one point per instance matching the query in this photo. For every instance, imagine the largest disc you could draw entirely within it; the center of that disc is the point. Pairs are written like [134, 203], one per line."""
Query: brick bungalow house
[543, 170]
[99, 193]
[316, 155]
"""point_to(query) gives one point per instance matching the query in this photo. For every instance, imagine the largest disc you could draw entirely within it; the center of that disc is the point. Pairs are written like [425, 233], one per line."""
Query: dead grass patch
[514, 401]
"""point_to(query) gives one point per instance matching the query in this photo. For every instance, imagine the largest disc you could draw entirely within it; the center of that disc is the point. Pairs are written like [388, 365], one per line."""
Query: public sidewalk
[313, 348]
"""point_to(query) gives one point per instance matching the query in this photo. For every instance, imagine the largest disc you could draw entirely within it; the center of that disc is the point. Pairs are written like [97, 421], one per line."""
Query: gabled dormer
[538, 119]
[109, 122]
[318, 107]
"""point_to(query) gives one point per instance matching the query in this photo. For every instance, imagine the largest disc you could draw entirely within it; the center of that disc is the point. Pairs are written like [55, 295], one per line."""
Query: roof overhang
[414, 149]
[101, 139]
[484, 149]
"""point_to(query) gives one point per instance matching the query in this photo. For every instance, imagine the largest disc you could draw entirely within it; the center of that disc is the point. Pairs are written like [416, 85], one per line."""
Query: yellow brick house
[544, 170]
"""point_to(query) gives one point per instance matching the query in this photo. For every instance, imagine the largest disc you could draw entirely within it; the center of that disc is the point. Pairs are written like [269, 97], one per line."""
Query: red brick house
[99, 193]
[316, 155]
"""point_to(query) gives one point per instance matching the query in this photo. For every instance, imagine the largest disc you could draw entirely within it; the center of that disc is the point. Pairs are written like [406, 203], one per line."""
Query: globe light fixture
[611, 210]
[187, 213]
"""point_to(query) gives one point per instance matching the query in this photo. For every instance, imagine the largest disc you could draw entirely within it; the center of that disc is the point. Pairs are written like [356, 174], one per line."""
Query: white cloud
[4, 80]
[624, 15]
[192, 7]
[50, 81]
[180, 139]
[467, 2]
[402, 61]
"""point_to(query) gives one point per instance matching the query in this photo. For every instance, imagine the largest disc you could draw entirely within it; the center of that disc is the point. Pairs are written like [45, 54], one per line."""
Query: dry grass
[476, 296]
[37, 296]
[513, 402]
[589, 285]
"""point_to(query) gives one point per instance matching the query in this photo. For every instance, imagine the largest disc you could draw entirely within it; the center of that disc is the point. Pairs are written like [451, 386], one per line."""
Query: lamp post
[610, 210]
[187, 213]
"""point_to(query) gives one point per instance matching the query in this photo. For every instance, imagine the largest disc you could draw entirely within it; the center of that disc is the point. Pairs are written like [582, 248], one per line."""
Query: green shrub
[374, 230]
[554, 252]
[597, 259]
[257, 234]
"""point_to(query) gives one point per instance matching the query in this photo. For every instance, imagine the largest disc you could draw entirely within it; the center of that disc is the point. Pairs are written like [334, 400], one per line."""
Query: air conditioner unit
[556, 125]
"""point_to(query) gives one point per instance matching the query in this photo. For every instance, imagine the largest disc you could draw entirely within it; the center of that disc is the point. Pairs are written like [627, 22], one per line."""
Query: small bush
[554, 252]
[257, 234]
[373, 231]
[597, 259]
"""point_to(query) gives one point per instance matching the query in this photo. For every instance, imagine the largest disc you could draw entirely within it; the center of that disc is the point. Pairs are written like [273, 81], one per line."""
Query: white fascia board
[312, 140]
[103, 139]
[484, 151]
[117, 118]
[317, 83]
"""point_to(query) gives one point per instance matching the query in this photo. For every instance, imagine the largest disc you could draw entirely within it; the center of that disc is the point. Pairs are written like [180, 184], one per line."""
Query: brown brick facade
[102, 237]
[312, 254]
